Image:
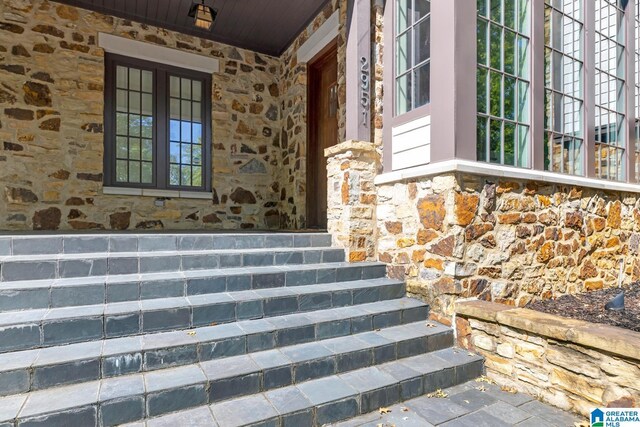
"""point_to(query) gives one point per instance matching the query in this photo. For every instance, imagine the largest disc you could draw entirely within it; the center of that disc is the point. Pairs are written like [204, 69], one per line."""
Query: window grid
[564, 99]
[610, 97]
[185, 132]
[134, 125]
[413, 64]
[503, 82]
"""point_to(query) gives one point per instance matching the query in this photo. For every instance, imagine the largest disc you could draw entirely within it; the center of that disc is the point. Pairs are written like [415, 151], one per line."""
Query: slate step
[34, 294]
[59, 326]
[20, 370]
[58, 266]
[260, 371]
[315, 402]
[92, 243]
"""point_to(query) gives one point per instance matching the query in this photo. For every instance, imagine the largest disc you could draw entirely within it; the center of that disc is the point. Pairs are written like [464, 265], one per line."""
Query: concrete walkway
[472, 404]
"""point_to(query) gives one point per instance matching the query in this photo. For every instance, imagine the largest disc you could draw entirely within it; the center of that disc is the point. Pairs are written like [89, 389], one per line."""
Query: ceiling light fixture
[203, 15]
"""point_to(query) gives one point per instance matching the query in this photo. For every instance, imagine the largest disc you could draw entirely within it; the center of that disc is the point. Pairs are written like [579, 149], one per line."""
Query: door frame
[325, 54]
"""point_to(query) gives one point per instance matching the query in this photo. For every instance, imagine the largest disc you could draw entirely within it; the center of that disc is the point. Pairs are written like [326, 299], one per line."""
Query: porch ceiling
[265, 26]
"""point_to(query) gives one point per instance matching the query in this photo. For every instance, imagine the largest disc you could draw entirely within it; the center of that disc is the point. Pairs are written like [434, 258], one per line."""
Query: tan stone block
[498, 364]
[573, 361]
[481, 309]
[484, 342]
[538, 323]
[528, 351]
[615, 340]
[578, 385]
[505, 350]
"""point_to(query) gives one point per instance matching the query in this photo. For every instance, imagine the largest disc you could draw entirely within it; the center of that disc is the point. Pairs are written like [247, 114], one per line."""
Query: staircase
[208, 329]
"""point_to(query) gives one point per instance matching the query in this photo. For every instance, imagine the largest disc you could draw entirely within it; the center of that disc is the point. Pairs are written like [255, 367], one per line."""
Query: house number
[365, 97]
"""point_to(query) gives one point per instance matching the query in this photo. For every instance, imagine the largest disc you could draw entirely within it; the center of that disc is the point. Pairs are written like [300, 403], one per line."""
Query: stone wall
[459, 236]
[51, 128]
[293, 145]
[568, 363]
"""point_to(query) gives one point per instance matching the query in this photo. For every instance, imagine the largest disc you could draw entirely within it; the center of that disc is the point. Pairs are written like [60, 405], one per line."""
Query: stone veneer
[459, 236]
[51, 128]
[568, 363]
[351, 200]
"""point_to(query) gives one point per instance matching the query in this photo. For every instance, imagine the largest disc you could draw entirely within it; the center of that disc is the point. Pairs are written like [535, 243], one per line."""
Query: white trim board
[320, 38]
[155, 53]
[500, 171]
[151, 192]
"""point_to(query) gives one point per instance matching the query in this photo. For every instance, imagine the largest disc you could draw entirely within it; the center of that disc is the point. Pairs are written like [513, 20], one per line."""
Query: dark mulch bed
[590, 307]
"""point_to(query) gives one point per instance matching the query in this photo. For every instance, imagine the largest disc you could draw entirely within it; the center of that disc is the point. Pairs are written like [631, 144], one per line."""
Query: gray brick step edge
[86, 243]
[40, 267]
[60, 326]
[25, 295]
[260, 371]
[315, 402]
[19, 371]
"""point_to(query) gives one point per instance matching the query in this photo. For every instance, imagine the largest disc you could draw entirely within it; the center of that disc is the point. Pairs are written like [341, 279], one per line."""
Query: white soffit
[155, 53]
[320, 38]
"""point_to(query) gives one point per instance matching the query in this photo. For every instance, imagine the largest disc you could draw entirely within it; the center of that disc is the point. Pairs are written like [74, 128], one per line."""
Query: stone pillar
[351, 199]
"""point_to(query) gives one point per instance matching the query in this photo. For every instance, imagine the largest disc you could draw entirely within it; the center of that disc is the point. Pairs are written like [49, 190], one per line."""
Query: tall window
[610, 96]
[503, 82]
[158, 126]
[413, 55]
[637, 91]
[564, 93]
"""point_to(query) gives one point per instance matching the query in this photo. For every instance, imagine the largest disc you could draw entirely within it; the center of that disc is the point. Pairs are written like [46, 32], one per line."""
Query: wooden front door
[323, 131]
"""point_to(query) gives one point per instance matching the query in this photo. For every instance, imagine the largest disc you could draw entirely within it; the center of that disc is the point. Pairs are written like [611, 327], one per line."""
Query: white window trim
[319, 39]
[501, 171]
[155, 53]
[152, 192]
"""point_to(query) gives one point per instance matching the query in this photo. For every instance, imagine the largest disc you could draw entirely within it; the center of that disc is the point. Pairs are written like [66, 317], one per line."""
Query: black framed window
[157, 126]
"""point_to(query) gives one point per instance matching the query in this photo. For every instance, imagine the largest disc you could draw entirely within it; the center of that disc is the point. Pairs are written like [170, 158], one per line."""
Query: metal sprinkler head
[616, 304]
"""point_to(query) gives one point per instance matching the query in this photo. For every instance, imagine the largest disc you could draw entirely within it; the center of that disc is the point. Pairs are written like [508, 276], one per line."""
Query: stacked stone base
[568, 363]
[457, 236]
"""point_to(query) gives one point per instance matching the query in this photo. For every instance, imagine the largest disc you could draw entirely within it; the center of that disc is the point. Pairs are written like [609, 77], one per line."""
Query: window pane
[495, 141]
[422, 85]
[482, 42]
[147, 149]
[403, 53]
[482, 139]
[147, 173]
[496, 11]
[510, 53]
[122, 80]
[482, 91]
[147, 104]
[134, 102]
[423, 7]
[147, 81]
[134, 149]
[422, 33]
[510, 98]
[495, 102]
[196, 176]
[186, 175]
[509, 143]
[174, 175]
[495, 58]
[174, 86]
[197, 90]
[403, 90]
[121, 101]
[134, 79]
[403, 15]
[122, 148]
[122, 174]
[134, 172]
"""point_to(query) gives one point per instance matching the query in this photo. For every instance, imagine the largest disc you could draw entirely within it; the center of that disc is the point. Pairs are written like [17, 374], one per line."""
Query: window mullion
[161, 129]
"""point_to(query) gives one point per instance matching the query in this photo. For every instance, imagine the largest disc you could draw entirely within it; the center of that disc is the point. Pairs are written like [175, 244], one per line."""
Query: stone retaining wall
[458, 236]
[571, 364]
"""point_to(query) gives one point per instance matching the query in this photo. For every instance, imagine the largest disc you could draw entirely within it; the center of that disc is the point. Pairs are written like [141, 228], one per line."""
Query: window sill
[493, 170]
[150, 192]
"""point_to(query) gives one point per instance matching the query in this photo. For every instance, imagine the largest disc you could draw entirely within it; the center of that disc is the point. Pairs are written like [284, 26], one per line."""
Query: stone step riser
[12, 269]
[132, 356]
[40, 378]
[77, 244]
[88, 328]
[135, 406]
[112, 290]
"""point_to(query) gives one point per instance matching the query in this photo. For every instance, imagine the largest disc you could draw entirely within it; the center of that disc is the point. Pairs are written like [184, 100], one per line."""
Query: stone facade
[461, 236]
[568, 363]
[51, 128]
[294, 124]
